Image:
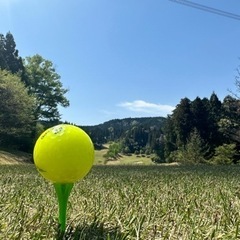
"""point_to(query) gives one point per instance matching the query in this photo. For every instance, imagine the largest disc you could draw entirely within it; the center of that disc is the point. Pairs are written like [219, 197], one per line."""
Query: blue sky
[128, 58]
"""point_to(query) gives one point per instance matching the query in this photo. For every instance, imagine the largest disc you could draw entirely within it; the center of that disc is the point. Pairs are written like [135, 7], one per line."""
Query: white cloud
[141, 106]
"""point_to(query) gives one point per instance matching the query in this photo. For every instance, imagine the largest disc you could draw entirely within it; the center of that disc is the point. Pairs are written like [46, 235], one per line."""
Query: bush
[157, 159]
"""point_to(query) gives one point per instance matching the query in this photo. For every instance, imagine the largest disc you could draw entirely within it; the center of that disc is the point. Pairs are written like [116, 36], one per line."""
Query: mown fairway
[125, 202]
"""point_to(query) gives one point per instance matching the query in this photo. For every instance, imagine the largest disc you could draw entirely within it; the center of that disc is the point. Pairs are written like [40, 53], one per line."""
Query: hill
[129, 136]
[118, 129]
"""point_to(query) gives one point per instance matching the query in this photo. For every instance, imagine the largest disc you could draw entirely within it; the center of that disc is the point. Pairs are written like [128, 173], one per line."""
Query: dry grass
[14, 157]
[124, 203]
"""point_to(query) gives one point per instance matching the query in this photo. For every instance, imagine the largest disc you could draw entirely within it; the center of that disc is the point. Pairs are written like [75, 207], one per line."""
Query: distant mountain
[123, 129]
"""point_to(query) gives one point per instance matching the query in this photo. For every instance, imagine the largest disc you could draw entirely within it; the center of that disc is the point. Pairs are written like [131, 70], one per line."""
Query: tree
[170, 138]
[182, 121]
[113, 151]
[3, 63]
[229, 124]
[159, 150]
[216, 138]
[215, 107]
[237, 84]
[16, 116]
[44, 84]
[200, 119]
[202, 114]
[224, 154]
[9, 59]
[193, 152]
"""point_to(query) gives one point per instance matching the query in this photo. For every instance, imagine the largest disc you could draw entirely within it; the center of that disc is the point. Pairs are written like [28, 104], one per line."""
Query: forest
[203, 130]
[199, 131]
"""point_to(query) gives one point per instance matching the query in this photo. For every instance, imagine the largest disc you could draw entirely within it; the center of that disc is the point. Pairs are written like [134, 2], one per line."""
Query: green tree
[237, 84]
[215, 107]
[193, 152]
[44, 84]
[3, 63]
[200, 119]
[224, 154]
[113, 151]
[16, 116]
[182, 119]
[159, 150]
[229, 124]
[215, 137]
[170, 138]
[9, 58]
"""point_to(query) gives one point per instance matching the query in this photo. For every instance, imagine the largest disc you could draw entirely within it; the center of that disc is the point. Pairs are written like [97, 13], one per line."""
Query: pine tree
[3, 63]
[200, 118]
[182, 120]
[194, 151]
[229, 124]
[216, 138]
[9, 59]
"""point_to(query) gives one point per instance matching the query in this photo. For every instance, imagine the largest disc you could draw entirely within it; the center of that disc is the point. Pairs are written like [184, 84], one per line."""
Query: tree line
[30, 93]
[203, 131]
[199, 131]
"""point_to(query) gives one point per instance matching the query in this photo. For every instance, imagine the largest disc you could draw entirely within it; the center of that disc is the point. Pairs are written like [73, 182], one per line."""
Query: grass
[132, 159]
[125, 202]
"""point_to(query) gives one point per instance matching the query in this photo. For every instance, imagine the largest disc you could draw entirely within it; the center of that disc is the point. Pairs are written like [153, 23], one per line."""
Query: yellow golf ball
[63, 154]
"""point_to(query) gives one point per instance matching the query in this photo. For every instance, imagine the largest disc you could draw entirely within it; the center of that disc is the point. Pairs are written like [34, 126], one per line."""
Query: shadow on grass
[93, 231]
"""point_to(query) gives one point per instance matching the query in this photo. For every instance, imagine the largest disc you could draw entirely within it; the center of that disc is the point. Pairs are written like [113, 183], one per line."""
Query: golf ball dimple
[63, 154]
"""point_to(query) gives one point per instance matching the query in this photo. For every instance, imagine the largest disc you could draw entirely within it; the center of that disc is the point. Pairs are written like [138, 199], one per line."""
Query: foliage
[39, 129]
[237, 84]
[124, 202]
[170, 139]
[194, 151]
[22, 108]
[229, 124]
[113, 151]
[224, 154]
[200, 114]
[135, 134]
[191, 134]
[44, 84]
[182, 120]
[157, 159]
[9, 59]
[16, 116]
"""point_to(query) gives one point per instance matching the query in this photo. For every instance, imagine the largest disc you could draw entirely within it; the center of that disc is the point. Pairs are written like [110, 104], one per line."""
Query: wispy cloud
[153, 109]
